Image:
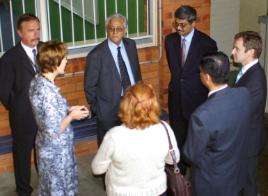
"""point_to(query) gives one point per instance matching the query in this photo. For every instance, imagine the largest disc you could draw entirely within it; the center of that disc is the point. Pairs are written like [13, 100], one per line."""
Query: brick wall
[153, 67]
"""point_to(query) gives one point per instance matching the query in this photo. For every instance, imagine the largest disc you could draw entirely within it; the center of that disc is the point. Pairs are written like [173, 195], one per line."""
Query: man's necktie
[239, 75]
[35, 66]
[123, 70]
[183, 51]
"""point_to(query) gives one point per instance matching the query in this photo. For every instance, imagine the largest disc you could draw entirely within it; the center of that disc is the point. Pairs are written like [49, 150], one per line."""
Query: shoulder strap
[171, 150]
[169, 141]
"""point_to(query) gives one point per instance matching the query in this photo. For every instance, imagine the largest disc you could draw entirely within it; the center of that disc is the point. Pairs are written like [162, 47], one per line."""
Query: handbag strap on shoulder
[171, 150]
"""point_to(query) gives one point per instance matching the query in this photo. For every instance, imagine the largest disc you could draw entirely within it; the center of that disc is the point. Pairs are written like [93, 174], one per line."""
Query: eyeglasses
[181, 25]
[116, 29]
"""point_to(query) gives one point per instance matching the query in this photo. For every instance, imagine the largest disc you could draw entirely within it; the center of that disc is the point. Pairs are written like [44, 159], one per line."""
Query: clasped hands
[79, 112]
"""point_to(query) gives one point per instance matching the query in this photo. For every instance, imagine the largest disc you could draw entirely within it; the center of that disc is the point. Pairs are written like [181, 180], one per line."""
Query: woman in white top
[134, 154]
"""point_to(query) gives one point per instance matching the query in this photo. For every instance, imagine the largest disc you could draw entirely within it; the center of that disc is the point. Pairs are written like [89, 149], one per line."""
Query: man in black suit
[17, 69]
[246, 51]
[184, 49]
[110, 68]
[218, 129]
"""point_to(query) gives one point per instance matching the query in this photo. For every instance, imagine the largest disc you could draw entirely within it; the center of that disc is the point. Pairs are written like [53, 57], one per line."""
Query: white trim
[42, 15]
[146, 39]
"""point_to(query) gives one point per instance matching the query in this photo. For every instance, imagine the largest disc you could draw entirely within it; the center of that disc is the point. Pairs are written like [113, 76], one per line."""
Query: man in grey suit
[111, 67]
[246, 51]
[216, 141]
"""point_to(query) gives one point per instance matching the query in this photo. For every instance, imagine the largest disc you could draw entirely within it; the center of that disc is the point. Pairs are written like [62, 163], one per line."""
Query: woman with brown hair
[134, 154]
[54, 139]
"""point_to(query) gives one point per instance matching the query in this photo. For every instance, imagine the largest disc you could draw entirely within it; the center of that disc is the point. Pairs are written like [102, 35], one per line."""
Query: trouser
[22, 149]
[250, 188]
[180, 127]
[101, 131]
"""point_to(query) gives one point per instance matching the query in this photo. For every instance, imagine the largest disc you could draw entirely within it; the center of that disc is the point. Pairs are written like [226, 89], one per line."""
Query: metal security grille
[79, 23]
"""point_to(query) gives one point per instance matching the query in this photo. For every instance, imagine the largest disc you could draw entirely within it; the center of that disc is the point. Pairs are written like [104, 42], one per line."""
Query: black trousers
[101, 132]
[180, 127]
[250, 188]
[22, 149]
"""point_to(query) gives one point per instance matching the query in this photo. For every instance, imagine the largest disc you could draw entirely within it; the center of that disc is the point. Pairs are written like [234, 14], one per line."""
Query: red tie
[183, 51]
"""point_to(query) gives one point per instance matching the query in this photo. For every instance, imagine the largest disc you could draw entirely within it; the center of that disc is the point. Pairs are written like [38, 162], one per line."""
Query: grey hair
[117, 16]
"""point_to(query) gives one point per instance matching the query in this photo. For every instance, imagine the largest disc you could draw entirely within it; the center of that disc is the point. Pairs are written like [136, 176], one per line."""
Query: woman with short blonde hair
[134, 154]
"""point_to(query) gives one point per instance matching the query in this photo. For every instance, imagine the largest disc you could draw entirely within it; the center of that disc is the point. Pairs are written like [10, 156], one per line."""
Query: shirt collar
[214, 91]
[189, 37]
[27, 48]
[113, 45]
[246, 67]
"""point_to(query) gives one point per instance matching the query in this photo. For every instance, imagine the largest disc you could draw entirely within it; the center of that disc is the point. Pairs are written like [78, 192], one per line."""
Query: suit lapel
[176, 48]
[25, 60]
[131, 57]
[248, 72]
[193, 49]
[108, 57]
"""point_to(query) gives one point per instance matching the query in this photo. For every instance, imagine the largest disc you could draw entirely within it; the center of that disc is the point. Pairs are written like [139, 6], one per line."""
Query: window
[80, 23]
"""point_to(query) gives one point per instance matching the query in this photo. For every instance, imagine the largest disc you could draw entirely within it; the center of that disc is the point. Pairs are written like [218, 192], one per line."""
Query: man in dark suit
[110, 68]
[184, 50]
[246, 51]
[216, 141]
[17, 69]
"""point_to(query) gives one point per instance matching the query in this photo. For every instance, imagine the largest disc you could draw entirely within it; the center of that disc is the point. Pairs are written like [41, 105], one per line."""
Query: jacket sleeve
[7, 77]
[137, 63]
[91, 77]
[197, 140]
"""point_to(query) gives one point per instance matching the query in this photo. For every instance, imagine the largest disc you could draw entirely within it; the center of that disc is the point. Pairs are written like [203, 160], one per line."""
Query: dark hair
[50, 55]
[251, 40]
[25, 18]
[186, 12]
[216, 65]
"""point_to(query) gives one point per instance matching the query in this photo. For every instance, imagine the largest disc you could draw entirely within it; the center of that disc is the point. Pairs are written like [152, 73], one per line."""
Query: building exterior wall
[249, 14]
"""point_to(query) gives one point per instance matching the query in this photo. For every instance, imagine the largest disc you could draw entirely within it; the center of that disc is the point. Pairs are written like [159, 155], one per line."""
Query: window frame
[82, 50]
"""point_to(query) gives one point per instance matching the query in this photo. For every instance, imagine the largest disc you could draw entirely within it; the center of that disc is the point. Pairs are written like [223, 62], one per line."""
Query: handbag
[177, 184]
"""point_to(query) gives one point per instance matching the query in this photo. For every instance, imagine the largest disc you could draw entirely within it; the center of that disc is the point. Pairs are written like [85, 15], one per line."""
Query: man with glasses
[185, 48]
[111, 67]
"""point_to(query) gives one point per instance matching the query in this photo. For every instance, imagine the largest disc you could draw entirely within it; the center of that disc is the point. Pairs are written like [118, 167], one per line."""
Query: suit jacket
[255, 81]
[103, 84]
[16, 73]
[216, 142]
[185, 90]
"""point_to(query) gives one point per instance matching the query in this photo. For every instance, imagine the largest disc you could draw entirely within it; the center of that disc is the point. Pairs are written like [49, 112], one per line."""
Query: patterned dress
[55, 150]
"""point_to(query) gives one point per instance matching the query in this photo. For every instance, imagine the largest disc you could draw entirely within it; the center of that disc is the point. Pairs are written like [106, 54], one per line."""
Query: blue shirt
[113, 48]
[188, 39]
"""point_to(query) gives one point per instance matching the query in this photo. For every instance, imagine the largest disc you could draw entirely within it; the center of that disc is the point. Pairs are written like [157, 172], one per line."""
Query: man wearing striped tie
[111, 67]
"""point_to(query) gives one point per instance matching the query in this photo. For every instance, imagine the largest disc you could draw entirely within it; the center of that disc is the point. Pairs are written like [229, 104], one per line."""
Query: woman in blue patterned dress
[54, 140]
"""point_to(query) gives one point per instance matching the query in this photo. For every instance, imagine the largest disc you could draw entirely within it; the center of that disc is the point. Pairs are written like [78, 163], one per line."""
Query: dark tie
[183, 52]
[35, 66]
[123, 70]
